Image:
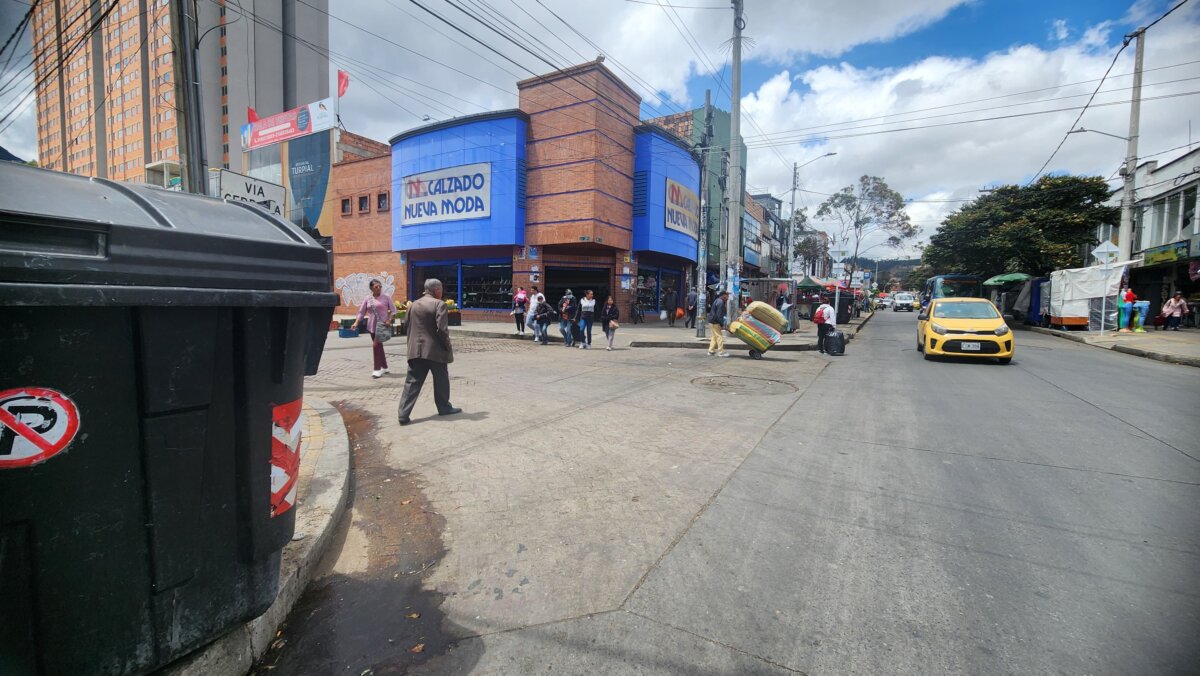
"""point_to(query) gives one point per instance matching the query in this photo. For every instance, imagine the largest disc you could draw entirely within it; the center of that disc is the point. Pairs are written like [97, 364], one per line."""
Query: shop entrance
[578, 280]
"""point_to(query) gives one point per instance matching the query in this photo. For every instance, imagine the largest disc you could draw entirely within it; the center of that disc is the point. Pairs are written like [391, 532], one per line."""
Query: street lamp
[1103, 133]
[791, 243]
[1125, 234]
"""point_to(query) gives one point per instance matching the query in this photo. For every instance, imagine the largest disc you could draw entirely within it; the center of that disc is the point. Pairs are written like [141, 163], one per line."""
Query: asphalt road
[656, 511]
[935, 517]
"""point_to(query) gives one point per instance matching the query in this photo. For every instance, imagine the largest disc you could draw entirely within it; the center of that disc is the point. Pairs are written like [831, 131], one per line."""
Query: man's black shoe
[451, 411]
[404, 421]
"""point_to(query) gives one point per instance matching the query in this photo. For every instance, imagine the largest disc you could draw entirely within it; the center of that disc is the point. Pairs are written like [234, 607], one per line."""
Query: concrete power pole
[187, 92]
[791, 257]
[735, 155]
[705, 207]
[1125, 234]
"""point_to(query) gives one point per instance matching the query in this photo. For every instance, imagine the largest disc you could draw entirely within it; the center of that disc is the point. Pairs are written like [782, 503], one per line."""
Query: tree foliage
[864, 208]
[809, 245]
[1033, 229]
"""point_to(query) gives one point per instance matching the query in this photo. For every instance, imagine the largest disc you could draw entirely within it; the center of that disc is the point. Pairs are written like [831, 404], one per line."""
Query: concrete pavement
[660, 511]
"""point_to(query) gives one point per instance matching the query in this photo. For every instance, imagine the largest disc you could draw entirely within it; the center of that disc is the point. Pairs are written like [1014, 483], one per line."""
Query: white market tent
[1072, 291]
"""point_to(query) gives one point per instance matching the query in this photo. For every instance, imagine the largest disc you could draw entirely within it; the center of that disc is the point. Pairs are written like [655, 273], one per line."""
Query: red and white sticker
[36, 423]
[287, 423]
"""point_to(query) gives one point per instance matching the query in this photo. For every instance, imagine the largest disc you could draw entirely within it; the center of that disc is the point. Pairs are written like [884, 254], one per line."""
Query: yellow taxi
[964, 327]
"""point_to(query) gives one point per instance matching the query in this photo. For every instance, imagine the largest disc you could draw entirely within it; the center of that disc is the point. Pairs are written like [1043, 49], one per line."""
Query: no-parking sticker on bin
[287, 422]
[36, 423]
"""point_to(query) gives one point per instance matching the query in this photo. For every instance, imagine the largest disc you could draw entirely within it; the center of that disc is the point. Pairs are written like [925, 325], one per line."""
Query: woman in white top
[587, 311]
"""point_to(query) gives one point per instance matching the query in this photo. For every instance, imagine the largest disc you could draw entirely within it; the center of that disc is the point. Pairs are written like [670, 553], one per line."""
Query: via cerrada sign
[452, 194]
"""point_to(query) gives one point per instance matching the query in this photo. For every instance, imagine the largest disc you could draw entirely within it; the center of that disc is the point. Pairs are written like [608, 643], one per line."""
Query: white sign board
[236, 187]
[453, 194]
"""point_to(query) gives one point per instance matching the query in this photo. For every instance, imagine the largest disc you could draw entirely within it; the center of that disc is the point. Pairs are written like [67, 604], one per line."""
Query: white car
[885, 302]
[903, 301]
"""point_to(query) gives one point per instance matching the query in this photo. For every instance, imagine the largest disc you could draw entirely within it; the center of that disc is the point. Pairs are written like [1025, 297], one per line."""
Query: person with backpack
[545, 314]
[716, 323]
[826, 320]
[568, 314]
[520, 303]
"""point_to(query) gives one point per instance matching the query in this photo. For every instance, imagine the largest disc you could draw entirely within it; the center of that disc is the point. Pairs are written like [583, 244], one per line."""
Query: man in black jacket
[716, 323]
[568, 314]
[690, 321]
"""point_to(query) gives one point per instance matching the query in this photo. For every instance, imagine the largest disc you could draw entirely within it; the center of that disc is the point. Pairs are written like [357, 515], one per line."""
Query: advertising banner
[237, 187]
[1176, 251]
[683, 210]
[452, 194]
[308, 166]
[307, 119]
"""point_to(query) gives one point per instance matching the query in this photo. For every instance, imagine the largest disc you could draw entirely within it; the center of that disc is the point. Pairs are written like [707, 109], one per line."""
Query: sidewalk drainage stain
[377, 621]
[743, 385]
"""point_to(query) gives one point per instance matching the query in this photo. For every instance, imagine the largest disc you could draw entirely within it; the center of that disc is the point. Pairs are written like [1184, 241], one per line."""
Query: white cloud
[1059, 30]
[954, 161]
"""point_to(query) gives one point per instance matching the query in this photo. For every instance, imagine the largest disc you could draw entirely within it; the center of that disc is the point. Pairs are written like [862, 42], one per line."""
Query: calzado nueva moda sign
[683, 209]
[453, 194]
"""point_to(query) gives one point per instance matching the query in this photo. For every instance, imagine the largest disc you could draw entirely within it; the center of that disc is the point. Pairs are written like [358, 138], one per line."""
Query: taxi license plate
[970, 347]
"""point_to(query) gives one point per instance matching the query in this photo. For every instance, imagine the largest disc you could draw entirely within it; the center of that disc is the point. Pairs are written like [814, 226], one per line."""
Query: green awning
[809, 283]
[1008, 278]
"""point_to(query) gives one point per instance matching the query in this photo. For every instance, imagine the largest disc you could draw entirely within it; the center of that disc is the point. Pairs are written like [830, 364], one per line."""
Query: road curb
[1126, 349]
[234, 653]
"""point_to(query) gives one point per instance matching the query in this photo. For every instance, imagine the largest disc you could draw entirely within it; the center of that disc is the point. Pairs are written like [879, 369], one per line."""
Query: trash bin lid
[74, 240]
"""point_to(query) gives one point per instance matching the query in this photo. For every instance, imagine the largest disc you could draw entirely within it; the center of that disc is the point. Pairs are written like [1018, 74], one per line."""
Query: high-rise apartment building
[107, 73]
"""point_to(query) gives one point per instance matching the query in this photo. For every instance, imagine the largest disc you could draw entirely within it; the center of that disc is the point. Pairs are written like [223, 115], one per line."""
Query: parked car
[964, 327]
[904, 301]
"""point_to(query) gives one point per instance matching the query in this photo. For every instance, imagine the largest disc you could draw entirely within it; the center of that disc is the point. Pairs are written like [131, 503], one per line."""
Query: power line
[961, 122]
[994, 98]
[657, 4]
[1074, 124]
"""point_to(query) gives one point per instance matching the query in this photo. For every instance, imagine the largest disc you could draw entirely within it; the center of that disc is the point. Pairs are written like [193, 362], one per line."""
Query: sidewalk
[320, 501]
[658, 334]
[1175, 347]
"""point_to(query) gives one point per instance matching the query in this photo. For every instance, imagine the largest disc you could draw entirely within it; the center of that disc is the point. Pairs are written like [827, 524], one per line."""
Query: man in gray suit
[429, 351]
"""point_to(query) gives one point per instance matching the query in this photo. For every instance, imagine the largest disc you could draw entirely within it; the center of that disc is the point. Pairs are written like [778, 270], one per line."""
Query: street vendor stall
[1077, 296]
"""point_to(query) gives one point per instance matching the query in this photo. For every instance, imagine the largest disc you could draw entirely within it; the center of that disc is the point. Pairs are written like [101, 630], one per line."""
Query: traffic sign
[36, 424]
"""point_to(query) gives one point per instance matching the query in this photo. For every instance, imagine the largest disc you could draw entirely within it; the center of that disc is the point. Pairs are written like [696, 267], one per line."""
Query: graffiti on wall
[355, 287]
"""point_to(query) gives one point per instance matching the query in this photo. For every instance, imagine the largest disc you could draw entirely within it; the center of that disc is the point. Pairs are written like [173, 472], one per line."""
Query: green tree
[1033, 229]
[867, 207]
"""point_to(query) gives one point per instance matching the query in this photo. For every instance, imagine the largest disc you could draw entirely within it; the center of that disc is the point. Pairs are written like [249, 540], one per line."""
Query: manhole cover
[743, 385]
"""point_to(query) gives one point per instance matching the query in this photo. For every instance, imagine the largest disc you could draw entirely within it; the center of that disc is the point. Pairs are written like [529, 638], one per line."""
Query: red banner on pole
[343, 82]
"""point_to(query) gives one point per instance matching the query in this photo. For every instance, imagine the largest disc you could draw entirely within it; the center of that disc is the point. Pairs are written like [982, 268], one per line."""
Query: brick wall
[354, 147]
[362, 241]
[580, 157]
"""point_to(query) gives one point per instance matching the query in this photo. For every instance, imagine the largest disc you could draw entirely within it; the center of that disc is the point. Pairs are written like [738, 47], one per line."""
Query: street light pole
[735, 153]
[792, 219]
[1125, 236]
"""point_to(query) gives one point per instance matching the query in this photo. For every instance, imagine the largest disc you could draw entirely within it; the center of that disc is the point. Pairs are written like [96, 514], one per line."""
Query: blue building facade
[666, 214]
[460, 183]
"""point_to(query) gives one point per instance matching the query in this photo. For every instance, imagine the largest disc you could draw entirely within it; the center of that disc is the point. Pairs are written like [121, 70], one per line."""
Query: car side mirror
[923, 316]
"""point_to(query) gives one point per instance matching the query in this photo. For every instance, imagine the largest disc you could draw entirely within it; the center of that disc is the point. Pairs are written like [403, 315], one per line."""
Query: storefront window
[487, 286]
[1189, 213]
[647, 292]
[447, 273]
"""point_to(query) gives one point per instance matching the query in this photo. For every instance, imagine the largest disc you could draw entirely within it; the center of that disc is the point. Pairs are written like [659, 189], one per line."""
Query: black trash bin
[151, 376]
[845, 308]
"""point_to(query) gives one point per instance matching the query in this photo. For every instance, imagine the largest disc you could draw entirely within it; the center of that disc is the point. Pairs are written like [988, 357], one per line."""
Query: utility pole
[705, 206]
[1125, 234]
[735, 156]
[791, 257]
[187, 93]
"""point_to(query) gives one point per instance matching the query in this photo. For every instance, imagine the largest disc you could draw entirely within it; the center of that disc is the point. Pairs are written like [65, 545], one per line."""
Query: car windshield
[904, 297]
[965, 311]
